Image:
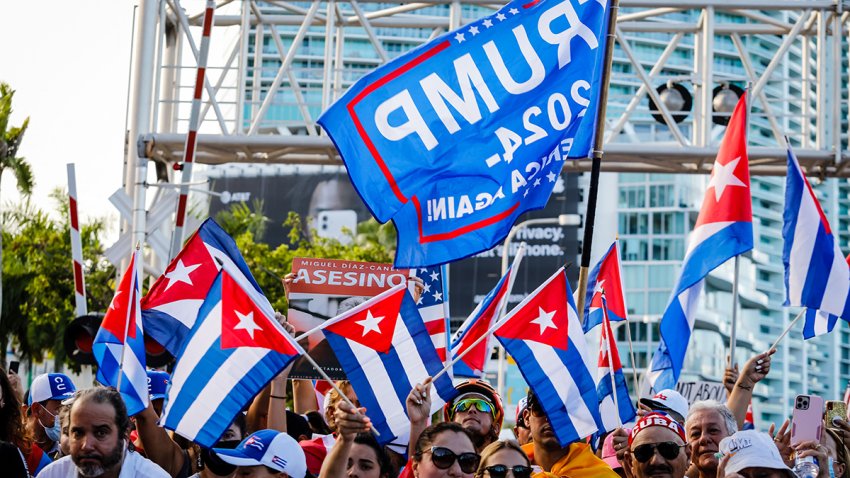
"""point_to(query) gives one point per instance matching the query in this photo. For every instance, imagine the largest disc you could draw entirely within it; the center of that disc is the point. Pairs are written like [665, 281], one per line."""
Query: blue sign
[457, 138]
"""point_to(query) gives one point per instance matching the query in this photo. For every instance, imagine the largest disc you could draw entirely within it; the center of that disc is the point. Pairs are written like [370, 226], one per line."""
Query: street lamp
[562, 220]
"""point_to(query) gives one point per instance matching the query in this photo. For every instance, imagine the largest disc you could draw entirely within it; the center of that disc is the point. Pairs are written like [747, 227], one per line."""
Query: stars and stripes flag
[433, 305]
[609, 364]
[385, 349]
[119, 346]
[544, 336]
[234, 349]
[171, 305]
[605, 275]
[817, 275]
[724, 229]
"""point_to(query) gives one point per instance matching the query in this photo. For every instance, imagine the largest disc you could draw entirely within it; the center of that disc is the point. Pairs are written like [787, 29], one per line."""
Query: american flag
[433, 305]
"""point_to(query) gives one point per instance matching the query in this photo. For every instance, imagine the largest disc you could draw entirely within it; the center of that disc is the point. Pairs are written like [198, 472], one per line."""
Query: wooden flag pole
[596, 165]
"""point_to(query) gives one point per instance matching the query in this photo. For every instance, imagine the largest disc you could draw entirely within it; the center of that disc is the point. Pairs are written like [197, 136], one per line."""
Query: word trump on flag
[457, 138]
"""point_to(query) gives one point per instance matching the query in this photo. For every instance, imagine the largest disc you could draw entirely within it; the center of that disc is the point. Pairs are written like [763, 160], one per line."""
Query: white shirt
[134, 465]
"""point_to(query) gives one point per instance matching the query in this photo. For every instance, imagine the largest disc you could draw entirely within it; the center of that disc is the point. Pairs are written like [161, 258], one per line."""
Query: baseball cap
[51, 386]
[668, 400]
[750, 449]
[521, 405]
[158, 383]
[270, 448]
[609, 454]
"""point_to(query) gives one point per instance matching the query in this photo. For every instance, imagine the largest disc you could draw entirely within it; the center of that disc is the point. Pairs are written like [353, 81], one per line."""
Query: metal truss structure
[280, 63]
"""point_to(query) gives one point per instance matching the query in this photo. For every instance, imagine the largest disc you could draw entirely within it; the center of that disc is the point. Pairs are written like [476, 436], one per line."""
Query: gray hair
[714, 405]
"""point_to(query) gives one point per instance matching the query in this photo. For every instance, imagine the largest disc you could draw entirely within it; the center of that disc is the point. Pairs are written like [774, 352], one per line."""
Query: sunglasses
[501, 471]
[481, 405]
[443, 458]
[667, 449]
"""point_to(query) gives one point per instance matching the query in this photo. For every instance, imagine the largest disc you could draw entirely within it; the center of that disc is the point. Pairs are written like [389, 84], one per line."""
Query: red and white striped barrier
[192, 137]
[76, 244]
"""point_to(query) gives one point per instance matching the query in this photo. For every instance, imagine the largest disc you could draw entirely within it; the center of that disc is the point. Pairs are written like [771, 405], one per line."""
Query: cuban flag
[605, 275]
[724, 229]
[477, 324]
[544, 336]
[232, 352]
[818, 323]
[385, 349]
[609, 364]
[121, 334]
[433, 305]
[749, 421]
[171, 305]
[456, 139]
[817, 275]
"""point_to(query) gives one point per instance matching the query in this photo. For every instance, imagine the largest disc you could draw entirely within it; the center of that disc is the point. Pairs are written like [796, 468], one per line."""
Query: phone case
[834, 408]
[807, 419]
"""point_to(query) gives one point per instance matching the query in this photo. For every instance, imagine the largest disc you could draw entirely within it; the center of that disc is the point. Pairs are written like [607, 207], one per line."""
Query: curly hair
[12, 426]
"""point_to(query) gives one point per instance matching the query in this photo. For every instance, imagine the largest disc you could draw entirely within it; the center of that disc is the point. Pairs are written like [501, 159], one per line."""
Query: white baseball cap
[270, 448]
[752, 449]
[51, 386]
[668, 399]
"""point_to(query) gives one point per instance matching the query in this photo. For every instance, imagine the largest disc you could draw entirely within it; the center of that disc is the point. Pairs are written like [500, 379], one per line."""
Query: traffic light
[79, 336]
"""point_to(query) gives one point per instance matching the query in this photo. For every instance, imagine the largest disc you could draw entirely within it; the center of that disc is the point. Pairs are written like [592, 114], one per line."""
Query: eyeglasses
[668, 449]
[481, 405]
[443, 458]
[501, 471]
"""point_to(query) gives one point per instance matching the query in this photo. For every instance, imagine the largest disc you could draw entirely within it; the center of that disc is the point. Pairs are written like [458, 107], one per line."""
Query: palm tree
[10, 140]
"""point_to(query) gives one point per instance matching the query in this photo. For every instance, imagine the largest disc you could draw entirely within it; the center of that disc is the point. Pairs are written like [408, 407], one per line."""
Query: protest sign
[702, 390]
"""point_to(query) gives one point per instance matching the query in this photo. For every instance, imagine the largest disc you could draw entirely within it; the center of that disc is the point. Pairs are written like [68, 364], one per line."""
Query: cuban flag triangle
[817, 275]
[724, 229]
[457, 138]
[171, 305]
[609, 364]
[385, 350]
[477, 324]
[234, 349]
[605, 274]
[119, 346]
[544, 336]
[433, 305]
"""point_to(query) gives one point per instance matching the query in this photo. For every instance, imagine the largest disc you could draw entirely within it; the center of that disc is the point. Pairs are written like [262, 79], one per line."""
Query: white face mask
[53, 432]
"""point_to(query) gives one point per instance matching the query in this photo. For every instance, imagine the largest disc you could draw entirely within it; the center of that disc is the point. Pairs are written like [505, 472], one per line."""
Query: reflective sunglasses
[443, 458]
[666, 449]
[481, 405]
[501, 471]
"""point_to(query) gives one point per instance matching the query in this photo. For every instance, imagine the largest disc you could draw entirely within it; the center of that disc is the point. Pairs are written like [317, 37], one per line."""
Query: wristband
[278, 397]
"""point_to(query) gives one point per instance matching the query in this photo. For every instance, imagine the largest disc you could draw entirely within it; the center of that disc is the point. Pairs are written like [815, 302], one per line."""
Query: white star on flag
[426, 287]
[537, 182]
[513, 11]
[598, 287]
[459, 37]
[544, 320]
[473, 30]
[501, 17]
[435, 276]
[180, 273]
[370, 323]
[246, 323]
[487, 23]
[723, 177]
[438, 296]
[551, 177]
[115, 299]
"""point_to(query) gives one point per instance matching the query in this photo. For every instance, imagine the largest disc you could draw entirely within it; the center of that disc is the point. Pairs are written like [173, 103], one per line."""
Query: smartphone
[834, 409]
[13, 366]
[807, 419]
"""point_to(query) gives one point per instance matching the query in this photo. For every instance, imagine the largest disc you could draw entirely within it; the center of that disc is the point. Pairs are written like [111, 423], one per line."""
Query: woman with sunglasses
[503, 459]
[445, 450]
[657, 447]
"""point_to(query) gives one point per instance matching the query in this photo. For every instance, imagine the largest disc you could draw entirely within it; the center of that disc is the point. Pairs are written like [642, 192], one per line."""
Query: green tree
[39, 279]
[240, 218]
[10, 141]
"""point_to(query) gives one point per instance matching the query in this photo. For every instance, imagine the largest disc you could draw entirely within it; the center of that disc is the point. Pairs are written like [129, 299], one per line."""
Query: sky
[68, 64]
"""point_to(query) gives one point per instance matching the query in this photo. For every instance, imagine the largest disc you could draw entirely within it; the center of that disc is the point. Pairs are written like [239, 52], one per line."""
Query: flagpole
[500, 376]
[130, 302]
[787, 329]
[632, 356]
[596, 165]
[733, 338]
[608, 338]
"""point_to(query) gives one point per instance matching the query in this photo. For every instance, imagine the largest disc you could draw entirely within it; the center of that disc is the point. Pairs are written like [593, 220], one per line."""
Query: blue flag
[456, 139]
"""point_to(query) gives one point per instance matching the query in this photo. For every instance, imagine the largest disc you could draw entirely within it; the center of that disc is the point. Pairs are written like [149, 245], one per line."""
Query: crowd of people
[55, 430]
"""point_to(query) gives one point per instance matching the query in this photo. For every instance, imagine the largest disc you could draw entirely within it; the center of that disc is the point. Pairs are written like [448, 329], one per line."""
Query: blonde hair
[332, 399]
[495, 447]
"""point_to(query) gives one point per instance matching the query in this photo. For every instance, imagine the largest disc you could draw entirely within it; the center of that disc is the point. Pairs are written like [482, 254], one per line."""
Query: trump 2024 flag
[454, 140]
[234, 349]
[545, 338]
[385, 350]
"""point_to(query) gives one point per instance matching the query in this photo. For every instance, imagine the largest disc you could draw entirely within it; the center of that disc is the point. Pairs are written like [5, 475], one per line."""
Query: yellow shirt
[579, 462]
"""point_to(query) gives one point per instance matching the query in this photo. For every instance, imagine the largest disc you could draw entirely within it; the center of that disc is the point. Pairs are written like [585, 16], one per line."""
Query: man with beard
[707, 424]
[98, 433]
[657, 448]
[575, 460]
